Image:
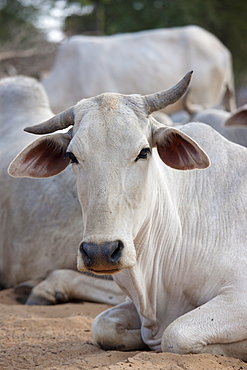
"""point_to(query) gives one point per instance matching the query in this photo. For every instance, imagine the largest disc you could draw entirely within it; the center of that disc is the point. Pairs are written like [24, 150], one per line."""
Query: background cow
[170, 227]
[40, 222]
[142, 62]
[233, 125]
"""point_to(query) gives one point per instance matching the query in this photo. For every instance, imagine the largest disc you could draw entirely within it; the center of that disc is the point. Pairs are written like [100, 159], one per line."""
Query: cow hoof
[61, 297]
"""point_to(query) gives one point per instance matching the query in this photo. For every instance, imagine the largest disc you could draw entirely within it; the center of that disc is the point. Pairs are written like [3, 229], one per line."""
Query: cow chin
[104, 272]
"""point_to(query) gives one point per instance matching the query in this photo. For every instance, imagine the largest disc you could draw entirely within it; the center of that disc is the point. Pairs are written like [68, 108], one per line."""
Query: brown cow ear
[179, 151]
[43, 158]
[238, 119]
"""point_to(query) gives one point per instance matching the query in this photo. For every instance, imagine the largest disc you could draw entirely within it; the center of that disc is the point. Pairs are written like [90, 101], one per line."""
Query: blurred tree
[92, 22]
[17, 27]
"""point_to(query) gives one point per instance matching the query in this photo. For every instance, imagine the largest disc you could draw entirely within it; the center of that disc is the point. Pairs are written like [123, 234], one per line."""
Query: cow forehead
[111, 121]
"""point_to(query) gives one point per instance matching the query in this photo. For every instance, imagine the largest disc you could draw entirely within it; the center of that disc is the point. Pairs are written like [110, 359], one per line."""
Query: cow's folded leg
[217, 327]
[66, 285]
[237, 349]
[118, 328]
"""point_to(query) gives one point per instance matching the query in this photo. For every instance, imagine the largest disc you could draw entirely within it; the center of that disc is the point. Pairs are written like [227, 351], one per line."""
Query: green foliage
[77, 24]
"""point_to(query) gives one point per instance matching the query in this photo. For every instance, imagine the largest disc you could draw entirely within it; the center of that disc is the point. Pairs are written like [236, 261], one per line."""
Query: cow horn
[162, 99]
[58, 122]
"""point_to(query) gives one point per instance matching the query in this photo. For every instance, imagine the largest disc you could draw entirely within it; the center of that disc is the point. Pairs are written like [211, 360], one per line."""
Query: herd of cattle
[154, 201]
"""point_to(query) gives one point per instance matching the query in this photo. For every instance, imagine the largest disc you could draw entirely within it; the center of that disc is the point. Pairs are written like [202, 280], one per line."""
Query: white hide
[40, 221]
[184, 261]
[142, 62]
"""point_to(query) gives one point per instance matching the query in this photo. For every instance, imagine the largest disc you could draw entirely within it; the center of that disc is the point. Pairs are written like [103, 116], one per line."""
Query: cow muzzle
[102, 258]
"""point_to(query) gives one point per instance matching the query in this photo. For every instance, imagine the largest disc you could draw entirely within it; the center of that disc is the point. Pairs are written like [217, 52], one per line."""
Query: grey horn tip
[162, 99]
[57, 122]
[28, 129]
[189, 74]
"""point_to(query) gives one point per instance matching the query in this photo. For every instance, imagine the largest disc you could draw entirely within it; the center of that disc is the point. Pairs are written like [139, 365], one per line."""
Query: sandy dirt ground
[58, 337]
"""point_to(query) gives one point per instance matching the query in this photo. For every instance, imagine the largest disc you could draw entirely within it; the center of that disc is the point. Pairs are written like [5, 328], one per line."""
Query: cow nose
[101, 256]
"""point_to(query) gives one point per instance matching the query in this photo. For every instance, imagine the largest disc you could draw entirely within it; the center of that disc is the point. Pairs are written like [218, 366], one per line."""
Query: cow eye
[143, 154]
[71, 156]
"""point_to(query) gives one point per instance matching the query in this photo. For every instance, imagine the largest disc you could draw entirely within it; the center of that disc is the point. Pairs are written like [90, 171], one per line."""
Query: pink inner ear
[178, 153]
[46, 159]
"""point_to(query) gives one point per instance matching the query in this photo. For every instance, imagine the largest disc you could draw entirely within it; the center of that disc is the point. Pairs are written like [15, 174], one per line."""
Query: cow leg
[237, 349]
[118, 328]
[66, 285]
[217, 327]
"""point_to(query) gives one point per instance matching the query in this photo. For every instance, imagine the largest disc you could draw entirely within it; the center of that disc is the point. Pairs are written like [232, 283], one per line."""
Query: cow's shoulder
[219, 149]
[205, 134]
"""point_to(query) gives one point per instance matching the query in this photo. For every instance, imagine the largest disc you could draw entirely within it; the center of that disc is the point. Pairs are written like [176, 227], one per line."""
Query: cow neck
[158, 240]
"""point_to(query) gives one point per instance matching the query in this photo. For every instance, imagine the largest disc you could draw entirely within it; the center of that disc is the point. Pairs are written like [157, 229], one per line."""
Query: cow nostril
[85, 255]
[116, 254]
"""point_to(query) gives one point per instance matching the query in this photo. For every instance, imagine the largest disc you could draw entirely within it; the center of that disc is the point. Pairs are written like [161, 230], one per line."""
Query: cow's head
[112, 150]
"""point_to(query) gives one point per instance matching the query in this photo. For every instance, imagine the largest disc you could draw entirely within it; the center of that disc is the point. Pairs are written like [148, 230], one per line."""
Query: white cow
[40, 222]
[142, 62]
[231, 125]
[174, 239]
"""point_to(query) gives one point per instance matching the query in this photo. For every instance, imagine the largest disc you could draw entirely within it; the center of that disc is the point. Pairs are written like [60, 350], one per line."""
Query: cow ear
[237, 119]
[179, 151]
[43, 158]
